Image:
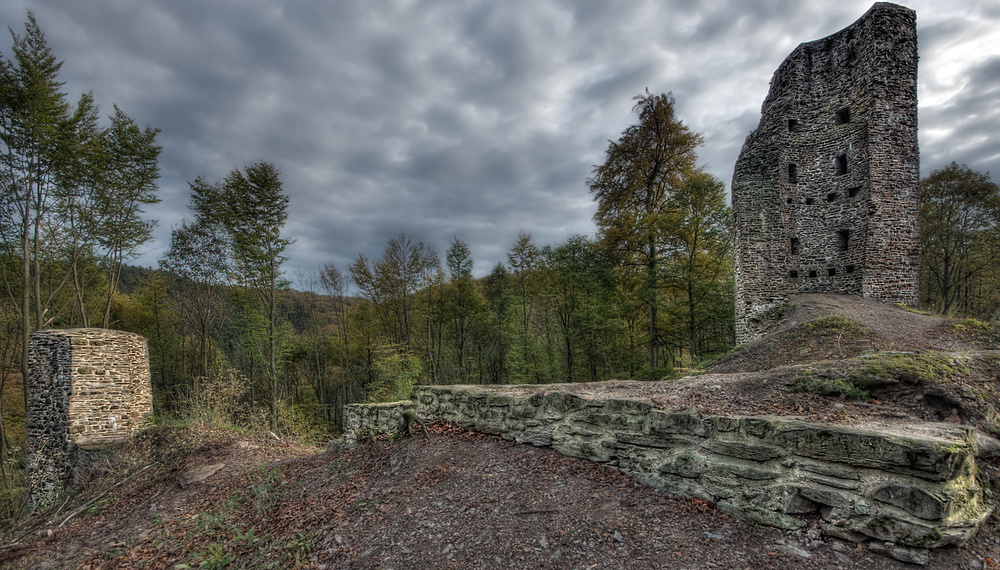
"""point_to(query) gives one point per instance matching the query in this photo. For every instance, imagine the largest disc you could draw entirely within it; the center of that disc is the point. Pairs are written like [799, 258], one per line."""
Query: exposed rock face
[913, 485]
[86, 388]
[825, 191]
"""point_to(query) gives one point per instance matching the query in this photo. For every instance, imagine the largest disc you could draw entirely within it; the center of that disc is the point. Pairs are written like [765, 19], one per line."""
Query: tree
[251, 208]
[496, 289]
[127, 183]
[78, 208]
[698, 260]
[463, 302]
[391, 282]
[197, 256]
[959, 236]
[648, 163]
[336, 284]
[523, 259]
[33, 133]
[582, 286]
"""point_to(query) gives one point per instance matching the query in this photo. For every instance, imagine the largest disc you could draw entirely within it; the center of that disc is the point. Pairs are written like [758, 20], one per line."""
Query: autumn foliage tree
[642, 170]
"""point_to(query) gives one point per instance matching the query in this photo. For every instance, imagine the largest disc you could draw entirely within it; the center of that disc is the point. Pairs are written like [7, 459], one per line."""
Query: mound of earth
[848, 326]
[844, 359]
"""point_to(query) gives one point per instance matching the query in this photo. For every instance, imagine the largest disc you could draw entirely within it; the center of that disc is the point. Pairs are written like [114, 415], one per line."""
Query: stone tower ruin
[825, 189]
[86, 388]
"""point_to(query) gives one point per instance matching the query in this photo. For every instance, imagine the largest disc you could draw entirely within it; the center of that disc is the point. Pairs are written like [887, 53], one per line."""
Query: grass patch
[875, 371]
[987, 332]
[836, 326]
[969, 329]
[823, 385]
[917, 311]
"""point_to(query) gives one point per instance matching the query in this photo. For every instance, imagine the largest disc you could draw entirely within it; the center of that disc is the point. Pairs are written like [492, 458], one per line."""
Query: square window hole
[812, 273]
[832, 271]
[793, 125]
[793, 274]
[831, 197]
[849, 269]
[790, 200]
[809, 201]
[844, 116]
[853, 191]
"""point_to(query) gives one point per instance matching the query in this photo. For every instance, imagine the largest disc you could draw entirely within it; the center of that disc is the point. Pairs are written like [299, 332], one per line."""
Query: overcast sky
[476, 119]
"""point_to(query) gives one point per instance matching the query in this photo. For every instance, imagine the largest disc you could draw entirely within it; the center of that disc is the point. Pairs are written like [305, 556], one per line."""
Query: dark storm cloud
[473, 119]
[972, 117]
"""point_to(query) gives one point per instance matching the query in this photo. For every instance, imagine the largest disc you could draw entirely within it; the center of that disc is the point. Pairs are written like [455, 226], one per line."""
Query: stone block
[687, 423]
[918, 501]
[744, 450]
[921, 456]
[762, 516]
[686, 463]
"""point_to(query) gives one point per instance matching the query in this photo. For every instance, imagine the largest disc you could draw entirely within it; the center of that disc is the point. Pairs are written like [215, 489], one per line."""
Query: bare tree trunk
[25, 300]
[654, 341]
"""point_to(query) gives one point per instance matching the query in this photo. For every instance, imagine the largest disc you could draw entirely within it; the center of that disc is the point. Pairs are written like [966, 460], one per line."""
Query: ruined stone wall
[825, 190]
[86, 388]
[368, 421]
[913, 485]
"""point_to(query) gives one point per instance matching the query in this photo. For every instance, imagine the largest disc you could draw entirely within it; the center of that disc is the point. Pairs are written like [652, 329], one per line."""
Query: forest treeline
[648, 295]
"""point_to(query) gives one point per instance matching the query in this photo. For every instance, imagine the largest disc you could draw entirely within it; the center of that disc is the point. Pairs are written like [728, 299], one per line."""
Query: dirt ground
[456, 499]
[459, 499]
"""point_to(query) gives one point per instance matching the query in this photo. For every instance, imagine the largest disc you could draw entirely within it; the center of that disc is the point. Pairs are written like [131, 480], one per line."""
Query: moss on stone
[920, 369]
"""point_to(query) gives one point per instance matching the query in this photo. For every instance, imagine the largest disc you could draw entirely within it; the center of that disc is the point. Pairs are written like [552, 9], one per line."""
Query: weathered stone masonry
[825, 191]
[86, 388]
[913, 485]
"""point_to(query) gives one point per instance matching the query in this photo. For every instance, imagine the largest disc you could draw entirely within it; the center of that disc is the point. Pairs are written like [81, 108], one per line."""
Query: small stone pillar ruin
[87, 388]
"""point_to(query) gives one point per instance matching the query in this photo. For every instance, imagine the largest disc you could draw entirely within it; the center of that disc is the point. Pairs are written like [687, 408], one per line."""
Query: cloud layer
[474, 119]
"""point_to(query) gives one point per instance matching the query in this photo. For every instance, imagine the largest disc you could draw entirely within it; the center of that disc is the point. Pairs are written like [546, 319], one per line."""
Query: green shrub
[398, 371]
